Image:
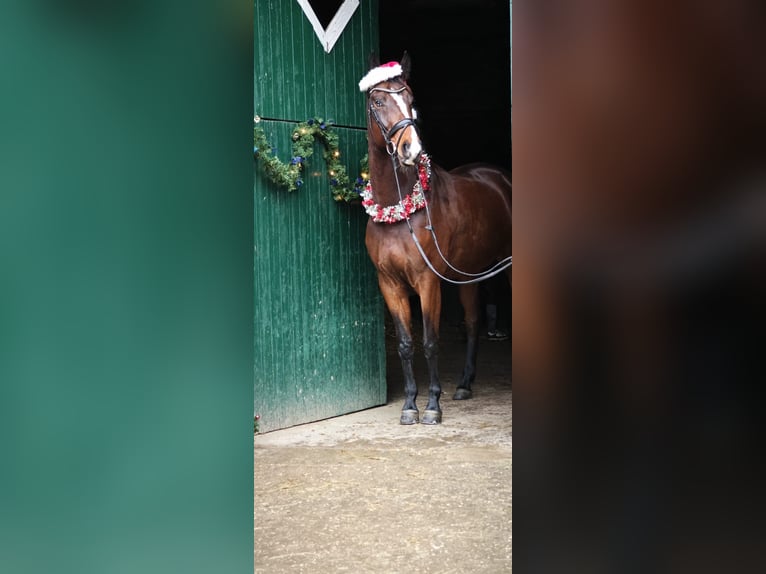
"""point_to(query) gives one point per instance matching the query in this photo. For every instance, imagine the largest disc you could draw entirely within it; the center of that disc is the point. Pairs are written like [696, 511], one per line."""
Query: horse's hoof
[431, 418]
[461, 394]
[409, 417]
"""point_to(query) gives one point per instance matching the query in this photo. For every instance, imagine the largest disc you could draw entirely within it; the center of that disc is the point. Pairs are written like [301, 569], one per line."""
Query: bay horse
[451, 224]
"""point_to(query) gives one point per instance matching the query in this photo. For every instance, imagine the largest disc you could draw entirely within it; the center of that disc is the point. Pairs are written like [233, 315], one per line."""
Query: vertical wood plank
[319, 335]
[295, 79]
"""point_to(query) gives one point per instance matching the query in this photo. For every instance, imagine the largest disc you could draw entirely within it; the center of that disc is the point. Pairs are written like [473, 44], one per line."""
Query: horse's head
[389, 107]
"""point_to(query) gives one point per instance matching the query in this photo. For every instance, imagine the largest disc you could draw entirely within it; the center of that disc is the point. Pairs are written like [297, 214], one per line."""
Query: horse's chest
[391, 251]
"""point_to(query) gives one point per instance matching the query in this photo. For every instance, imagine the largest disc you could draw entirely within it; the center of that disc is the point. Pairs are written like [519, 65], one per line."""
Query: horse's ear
[374, 60]
[406, 64]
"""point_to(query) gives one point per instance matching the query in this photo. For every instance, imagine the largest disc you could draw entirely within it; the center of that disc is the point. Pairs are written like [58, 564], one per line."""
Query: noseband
[389, 133]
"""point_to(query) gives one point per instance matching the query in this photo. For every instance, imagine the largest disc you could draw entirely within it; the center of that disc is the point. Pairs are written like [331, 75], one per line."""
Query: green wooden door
[319, 338]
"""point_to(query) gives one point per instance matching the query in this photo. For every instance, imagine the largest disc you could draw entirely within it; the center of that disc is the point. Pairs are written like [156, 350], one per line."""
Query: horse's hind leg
[398, 303]
[469, 298]
[431, 303]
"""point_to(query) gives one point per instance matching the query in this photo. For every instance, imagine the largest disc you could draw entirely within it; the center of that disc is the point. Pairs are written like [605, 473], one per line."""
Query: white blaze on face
[415, 146]
[402, 106]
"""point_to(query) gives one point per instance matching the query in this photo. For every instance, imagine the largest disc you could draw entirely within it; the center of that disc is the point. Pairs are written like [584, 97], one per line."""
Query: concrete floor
[361, 493]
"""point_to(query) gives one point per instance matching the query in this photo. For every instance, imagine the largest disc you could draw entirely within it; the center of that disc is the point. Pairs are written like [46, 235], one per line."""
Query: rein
[498, 267]
[388, 134]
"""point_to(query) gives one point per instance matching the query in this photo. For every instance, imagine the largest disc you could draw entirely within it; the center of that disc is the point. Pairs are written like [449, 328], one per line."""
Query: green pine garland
[288, 175]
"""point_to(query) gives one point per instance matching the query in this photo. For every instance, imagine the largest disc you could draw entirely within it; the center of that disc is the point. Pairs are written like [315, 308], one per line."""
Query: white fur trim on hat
[380, 74]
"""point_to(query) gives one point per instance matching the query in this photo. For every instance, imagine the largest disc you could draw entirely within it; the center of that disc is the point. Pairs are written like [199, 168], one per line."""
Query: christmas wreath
[288, 175]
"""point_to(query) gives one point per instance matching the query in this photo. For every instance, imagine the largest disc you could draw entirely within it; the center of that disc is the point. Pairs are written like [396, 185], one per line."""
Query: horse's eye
[378, 103]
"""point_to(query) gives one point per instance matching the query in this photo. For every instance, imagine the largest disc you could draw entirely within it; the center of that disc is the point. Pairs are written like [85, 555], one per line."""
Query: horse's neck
[383, 178]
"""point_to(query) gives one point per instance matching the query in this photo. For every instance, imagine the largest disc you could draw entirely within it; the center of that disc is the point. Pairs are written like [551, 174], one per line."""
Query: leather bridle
[389, 133]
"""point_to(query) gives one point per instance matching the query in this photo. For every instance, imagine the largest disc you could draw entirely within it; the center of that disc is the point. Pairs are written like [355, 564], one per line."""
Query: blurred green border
[126, 287]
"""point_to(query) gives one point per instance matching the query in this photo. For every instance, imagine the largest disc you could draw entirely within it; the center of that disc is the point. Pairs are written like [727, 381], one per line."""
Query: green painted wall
[295, 79]
[319, 338]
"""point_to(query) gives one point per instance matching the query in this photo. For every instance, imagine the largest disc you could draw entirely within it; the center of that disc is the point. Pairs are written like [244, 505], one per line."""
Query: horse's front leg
[397, 300]
[469, 298]
[431, 304]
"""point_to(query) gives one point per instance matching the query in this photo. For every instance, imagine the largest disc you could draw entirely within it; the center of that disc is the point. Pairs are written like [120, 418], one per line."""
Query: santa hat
[380, 74]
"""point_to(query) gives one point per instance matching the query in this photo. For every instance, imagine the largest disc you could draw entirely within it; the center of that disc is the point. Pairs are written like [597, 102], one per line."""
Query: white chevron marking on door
[328, 37]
